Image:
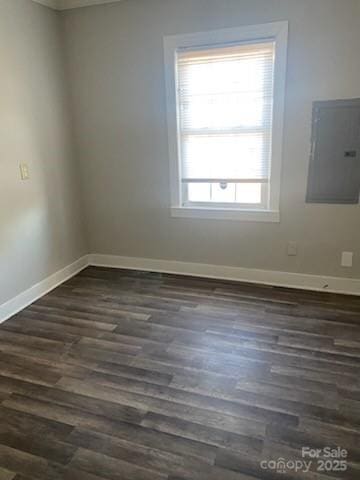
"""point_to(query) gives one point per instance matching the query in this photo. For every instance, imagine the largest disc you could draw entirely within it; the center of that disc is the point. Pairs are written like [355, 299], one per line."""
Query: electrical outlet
[346, 259]
[292, 249]
[24, 171]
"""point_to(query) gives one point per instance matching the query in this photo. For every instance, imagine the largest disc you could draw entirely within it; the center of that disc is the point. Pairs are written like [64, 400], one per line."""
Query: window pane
[223, 156]
[225, 96]
[247, 109]
[223, 193]
[244, 193]
[199, 192]
[248, 193]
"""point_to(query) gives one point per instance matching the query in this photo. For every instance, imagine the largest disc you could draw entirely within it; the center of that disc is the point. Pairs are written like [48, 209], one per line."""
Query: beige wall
[116, 64]
[40, 221]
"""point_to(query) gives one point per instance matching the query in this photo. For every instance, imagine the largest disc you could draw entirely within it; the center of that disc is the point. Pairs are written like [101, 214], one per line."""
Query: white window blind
[225, 108]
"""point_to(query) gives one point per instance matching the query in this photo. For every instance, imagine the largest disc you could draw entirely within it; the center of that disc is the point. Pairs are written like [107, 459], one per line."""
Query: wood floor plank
[317, 435]
[22, 423]
[68, 416]
[159, 403]
[59, 472]
[129, 371]
[6, 474]
[130, 375]
[76, 401]
[201, 433]
[112, 468]
[181, 404]
[56, 450]
[21, 462]
[151, 438]
[144, 456]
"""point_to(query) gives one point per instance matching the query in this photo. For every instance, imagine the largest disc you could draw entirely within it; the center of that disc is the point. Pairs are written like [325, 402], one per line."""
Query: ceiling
[67, 4]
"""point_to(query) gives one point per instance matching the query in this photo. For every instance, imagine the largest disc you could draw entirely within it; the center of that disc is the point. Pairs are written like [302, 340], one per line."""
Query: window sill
[272, 216]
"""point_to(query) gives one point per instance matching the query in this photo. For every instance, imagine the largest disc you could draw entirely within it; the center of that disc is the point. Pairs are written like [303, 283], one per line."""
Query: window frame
[224, 205]
[275, 31]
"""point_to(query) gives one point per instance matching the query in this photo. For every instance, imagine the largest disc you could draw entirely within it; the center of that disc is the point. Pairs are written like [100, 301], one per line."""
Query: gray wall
[116, 69]
[40, 221]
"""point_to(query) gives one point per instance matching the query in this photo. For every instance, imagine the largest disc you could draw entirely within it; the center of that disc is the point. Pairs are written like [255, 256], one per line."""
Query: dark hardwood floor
[141, 376]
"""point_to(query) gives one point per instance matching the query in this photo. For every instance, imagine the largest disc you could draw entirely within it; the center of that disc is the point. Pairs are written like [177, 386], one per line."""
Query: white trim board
[348, 286]
[18, 303]
[69, 4]
[276, 32]
[48, 3]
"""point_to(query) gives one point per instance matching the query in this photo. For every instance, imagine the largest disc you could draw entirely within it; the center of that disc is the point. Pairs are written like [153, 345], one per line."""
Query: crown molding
[68, 4]
[48, 3]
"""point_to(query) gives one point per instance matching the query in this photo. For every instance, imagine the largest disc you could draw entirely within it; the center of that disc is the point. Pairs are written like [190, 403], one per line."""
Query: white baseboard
[348, 286]
[14, 305]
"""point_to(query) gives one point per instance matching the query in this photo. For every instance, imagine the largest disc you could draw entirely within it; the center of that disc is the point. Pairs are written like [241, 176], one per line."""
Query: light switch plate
[24, 171]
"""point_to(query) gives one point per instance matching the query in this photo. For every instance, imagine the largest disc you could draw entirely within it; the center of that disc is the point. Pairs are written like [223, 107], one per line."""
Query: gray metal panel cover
[334, 171]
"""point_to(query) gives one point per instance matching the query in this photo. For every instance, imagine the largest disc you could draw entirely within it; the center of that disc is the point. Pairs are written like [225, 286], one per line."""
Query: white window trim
[276, 31]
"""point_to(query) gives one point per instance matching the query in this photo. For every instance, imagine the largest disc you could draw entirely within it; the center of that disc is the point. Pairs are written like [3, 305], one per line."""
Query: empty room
[179, 239]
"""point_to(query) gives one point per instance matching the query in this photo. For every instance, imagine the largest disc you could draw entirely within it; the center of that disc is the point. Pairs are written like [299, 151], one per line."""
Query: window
[225, 92]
